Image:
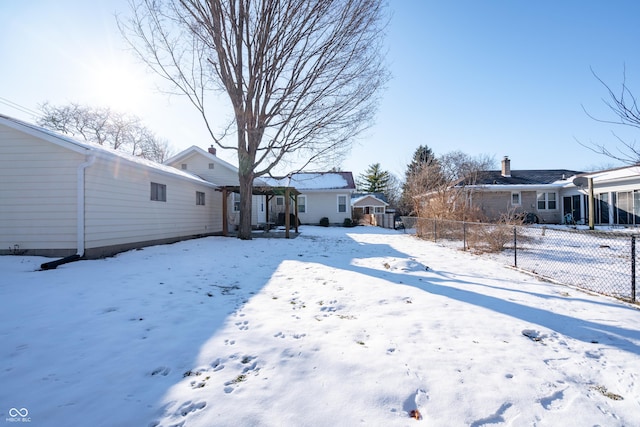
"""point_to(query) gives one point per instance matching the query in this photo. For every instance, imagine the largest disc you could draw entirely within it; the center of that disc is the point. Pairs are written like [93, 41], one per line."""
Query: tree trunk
[246, 196]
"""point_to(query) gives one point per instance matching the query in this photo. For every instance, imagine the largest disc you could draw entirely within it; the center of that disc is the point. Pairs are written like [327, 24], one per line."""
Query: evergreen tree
[422, 157]
[423, 174]
[374, 180]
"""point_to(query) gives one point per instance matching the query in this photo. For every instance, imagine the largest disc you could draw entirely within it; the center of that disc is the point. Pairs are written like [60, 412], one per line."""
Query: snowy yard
[338, 327]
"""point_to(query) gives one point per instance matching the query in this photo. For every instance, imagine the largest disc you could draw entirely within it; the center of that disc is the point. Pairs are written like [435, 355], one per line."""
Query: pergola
[290, 194]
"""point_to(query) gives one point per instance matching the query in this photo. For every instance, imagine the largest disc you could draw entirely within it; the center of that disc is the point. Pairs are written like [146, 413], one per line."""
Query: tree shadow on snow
[442, 283]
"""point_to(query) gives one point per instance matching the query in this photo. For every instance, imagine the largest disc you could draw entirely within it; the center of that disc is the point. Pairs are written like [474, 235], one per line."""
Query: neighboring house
[209, 167]
[62, 197]
[322, 194]
[368, 203]
[616, 197]
[509, 192]
[371, 208]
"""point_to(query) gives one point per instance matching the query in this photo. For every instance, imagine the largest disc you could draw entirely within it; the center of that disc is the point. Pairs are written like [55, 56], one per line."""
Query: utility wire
[19, 107]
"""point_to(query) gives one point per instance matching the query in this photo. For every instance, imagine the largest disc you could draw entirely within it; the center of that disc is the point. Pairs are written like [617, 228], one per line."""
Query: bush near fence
[598, 261]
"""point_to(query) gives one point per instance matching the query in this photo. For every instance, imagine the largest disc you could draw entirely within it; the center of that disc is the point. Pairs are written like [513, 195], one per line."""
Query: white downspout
[81, 202]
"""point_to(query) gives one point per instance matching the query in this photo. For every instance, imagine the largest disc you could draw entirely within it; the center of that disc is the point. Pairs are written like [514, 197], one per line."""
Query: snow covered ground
[338, 327]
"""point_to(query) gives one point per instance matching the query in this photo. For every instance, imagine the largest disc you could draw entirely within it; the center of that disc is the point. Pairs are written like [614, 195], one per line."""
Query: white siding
[119, 209]
[198, 164]
[325, 204]
[37, 193]
[39, 200]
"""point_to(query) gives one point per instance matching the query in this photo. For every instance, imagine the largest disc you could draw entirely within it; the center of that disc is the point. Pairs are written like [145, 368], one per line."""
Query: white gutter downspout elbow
[90, 159]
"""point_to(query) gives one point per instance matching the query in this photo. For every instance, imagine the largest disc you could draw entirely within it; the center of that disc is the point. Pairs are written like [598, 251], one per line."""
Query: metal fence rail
[602, 262]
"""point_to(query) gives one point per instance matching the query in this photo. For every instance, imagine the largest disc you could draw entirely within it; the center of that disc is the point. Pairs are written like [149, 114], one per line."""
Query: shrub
[324, 221]
[348, 223]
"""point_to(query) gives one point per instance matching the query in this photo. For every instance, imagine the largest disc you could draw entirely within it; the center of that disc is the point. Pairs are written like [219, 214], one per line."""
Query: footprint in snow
[187, 407]
[416, 403]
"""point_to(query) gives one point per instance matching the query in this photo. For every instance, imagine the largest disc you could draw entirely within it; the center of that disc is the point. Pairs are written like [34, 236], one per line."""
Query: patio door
[260, 203]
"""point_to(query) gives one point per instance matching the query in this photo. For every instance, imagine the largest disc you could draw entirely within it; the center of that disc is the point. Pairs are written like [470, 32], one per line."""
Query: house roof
[362, 197]
[525, 177]
[315, 181]
[85, 147]
[619, 173]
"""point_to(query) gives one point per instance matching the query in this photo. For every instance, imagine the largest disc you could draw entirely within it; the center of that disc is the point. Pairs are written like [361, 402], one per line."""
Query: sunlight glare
[121, 85]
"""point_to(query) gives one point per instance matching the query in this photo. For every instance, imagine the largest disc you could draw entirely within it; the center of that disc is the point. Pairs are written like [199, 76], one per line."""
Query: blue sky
[482, 77]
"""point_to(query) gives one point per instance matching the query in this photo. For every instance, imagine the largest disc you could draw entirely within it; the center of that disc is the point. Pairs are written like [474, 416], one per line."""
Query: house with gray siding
[511, 192]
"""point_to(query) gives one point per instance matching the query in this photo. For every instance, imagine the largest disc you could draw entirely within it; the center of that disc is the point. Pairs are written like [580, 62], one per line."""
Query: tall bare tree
[302, 76]
[624, 106]
[103, 126]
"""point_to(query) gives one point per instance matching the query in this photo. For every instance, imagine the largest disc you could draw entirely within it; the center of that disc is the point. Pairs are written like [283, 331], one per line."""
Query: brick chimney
[506, 167]
[212, 150]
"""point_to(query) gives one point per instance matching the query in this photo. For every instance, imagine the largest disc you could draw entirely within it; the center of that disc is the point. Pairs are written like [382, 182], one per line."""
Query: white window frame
[345, 203]
[543, 199]
[378, 209]
[235, 202]
[200, 198]
[516, 198]
[279, 200]
[158, 192]
[302, 203]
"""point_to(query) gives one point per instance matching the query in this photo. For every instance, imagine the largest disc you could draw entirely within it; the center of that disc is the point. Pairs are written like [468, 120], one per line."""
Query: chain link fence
[598, 261]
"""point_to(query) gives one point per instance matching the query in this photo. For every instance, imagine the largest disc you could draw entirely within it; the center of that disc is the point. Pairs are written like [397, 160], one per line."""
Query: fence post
[464, 236]
[515, 247]
[435, 238]
[633, 268]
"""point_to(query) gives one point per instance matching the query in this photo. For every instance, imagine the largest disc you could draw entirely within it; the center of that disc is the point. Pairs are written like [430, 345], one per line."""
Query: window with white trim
[302, 204]
[547, 201]
[279, 201]
[158, 192]
[516, 199]
[199, 198]
[378, 209]
[342, 204]
[236, 202]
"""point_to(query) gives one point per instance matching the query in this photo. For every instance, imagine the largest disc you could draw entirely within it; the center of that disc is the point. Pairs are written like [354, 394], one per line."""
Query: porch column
[295, 207]
[287, 210]
[225, 226]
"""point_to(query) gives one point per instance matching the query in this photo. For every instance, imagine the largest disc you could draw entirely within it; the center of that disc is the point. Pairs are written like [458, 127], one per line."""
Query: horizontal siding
[325, 204]
[119, 210]
[199, 165]
[37, 192]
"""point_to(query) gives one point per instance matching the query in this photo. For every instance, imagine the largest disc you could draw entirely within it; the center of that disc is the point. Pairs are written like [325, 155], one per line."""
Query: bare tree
[302, 76]
[103, 126]
[624, 106]
[438, 186]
